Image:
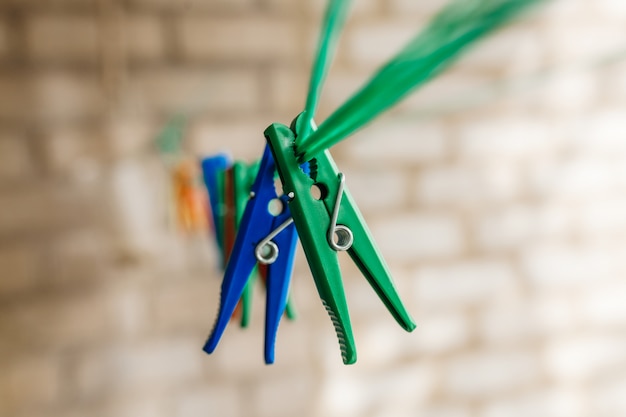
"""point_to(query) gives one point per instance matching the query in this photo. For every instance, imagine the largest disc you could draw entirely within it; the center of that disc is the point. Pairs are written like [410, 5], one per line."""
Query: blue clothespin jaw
[212, 168]
[267, 236]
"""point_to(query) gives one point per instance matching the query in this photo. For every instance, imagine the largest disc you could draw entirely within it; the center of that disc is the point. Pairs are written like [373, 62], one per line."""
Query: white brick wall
[370, 45]
[206, 400]
[509, 323]
[607, 398]
[167, 90]
[146, 40]
[65, 97]
[516, 226]
[177, 5]
[384, 144]
[15, 102]
[73, 152]
[203, 38]
[241, 137]
[551, 403]
[469, 185]
[4, 41]
[600, 134]
[20, 265]
[506, 137]
[21, 212]
[377, 189]
[473, 282]
[496, 198]
[17, 160]
[410, 8]
[30, 382]
[441, 333]
[479, 375]
[551, 266]
[603, 306]
[580, 358]
[407, 238]
[53, 37]
[287, 93]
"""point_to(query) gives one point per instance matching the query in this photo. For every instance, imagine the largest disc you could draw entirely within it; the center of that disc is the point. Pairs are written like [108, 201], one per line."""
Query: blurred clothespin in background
[230, 188]
[188, 204]
[266, 237]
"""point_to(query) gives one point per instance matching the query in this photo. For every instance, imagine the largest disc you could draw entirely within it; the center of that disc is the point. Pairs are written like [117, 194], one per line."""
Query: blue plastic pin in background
[266, 236]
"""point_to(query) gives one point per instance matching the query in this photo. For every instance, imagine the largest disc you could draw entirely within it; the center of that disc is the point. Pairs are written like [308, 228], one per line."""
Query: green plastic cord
[498, 88]
[460, 24]
[334, 19]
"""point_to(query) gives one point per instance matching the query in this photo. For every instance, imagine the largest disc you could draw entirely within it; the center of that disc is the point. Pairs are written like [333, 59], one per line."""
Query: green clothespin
[238, 181]
[329, 224]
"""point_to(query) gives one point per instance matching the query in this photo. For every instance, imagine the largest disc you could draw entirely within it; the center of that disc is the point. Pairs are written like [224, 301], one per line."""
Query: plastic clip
[257, 224]
[333, 215]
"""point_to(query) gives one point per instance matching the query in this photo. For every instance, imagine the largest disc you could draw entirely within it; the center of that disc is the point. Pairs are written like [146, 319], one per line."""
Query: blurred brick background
[500, 208]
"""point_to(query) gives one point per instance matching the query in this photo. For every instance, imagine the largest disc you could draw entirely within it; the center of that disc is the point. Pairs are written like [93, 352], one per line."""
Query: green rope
[460, 24]
[334, 19]
[485, 93]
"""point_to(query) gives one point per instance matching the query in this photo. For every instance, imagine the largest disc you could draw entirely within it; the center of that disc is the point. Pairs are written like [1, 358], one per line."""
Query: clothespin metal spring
[266, 251]
[343, 234]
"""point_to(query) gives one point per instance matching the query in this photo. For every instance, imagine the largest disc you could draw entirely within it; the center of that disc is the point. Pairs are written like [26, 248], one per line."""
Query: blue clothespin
[266, 236]
[212, 168]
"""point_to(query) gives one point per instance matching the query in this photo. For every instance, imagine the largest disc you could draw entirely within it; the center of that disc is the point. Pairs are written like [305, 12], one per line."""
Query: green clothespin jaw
[329, 224]
[290, 309]
[242, 178]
